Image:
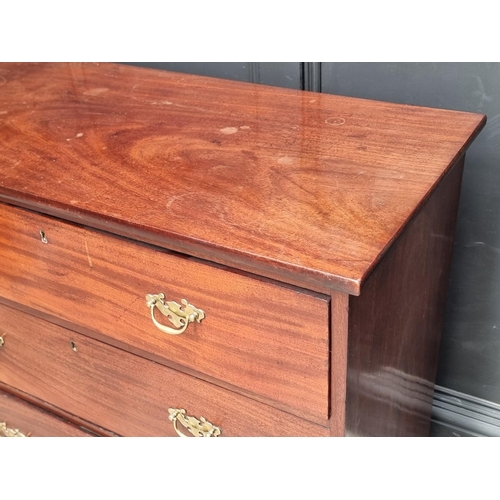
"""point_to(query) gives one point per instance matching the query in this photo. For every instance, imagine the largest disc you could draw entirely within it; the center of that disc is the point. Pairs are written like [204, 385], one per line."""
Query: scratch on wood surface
[126, 309]
[88, 255]
[96, 92]
[177, 197]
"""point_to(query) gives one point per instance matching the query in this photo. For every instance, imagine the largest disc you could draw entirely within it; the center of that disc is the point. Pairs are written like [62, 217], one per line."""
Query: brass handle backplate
[179, 315]
[198, 428]
[8, 432]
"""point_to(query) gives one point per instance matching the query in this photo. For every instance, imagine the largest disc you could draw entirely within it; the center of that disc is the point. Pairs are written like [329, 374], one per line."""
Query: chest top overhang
[293, 185]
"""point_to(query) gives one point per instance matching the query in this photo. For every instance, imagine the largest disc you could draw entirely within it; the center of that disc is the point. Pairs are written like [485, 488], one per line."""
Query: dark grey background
[469, 366]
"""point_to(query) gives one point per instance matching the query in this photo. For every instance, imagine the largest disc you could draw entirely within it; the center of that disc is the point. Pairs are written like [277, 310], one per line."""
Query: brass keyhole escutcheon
[73, 346]
[2, 341]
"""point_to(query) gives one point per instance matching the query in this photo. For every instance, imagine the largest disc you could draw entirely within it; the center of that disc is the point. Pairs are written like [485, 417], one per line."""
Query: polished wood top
[292, 185]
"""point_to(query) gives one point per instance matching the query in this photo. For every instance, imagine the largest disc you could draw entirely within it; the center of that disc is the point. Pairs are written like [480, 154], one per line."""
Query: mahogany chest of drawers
[182, 255]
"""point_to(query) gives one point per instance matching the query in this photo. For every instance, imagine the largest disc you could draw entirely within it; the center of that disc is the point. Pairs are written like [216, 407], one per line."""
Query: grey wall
[468, 394]
[279, 74]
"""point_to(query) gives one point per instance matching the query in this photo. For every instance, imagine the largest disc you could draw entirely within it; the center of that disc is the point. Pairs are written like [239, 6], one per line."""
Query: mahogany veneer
[231, 344]
[313, 231]
[31, 420]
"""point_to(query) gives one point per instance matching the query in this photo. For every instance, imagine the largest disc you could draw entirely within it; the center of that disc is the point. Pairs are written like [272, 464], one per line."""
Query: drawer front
[18, 417]
[122, 392]
[258, 336]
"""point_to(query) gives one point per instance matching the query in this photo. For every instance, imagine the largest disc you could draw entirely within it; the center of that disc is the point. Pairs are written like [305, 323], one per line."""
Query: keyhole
[43, 237]
[73, 346]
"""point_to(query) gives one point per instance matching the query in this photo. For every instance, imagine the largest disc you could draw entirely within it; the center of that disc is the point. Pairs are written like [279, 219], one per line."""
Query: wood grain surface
[123, 392]
[338, 362]
[395, 325]
[267, 339]
[28, 419]
[295, 186]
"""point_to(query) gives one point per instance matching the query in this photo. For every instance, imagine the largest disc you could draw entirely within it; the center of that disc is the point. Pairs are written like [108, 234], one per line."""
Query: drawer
[17, 415]
[264, 338]
[123, 392]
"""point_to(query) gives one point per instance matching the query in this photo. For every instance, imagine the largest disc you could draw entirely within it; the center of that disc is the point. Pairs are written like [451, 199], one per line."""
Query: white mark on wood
[312, 100]
[335, 120]
[80, 134]
[97, 91]
[191, 107]
[228, 130]
[177, 197]
[286, 160]
[244, 127]
[88, 255]
[161, 103]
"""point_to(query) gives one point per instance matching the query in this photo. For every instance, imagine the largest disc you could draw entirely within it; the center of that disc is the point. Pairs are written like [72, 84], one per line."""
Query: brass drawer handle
[198, 428]
[9, 433]
[179, 316]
